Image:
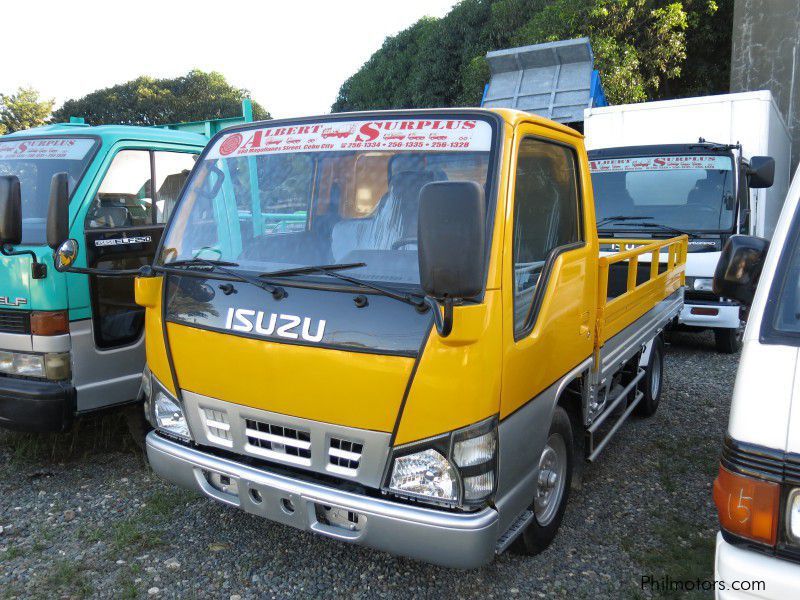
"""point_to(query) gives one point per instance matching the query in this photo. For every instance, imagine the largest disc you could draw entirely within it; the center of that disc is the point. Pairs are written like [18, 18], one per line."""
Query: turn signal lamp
[747, 507]
[51, 322]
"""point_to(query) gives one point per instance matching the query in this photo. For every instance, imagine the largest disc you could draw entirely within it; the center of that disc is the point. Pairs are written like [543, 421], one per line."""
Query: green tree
[23, 110]
[148, 101]
[640, 47]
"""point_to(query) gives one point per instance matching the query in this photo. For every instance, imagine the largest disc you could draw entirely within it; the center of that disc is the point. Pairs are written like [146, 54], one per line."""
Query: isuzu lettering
[410, 344]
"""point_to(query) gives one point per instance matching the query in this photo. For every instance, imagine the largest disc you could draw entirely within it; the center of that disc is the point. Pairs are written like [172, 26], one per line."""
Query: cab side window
[546, 217]
[172, 171]
[125, 197]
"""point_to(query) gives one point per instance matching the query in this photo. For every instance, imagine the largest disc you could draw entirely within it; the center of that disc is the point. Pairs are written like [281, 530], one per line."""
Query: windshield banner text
[430, 135]
[660, 163]
[45, 149]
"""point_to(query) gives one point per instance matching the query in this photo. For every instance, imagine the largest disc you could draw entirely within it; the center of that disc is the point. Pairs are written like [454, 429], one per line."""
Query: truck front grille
[219, 430]
[15, 321]
[279, 442]
[344, 455]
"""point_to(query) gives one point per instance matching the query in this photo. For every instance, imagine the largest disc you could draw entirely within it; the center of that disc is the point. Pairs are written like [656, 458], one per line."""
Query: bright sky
[292, 55]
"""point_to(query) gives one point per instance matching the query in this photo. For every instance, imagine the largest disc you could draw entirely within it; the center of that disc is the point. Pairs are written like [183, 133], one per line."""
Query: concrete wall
[766, 55]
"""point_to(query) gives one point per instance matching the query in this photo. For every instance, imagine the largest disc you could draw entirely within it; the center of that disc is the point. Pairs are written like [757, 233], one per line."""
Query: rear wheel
[652, 382]
[553, 484]
[728, 341]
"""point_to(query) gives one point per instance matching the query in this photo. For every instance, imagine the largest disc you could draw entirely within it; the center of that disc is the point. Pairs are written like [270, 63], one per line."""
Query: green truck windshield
[691, 193]
[283, 197]
[34, 161]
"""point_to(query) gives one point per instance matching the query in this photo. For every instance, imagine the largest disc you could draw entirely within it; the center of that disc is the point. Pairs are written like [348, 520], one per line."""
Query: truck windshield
[283, 197]
[693, 192]
[34, 161]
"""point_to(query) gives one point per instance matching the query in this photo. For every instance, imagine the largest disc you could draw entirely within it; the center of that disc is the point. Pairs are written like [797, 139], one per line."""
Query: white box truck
[709, 167]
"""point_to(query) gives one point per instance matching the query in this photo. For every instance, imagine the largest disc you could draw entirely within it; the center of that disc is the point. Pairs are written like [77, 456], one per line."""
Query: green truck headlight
[53, 365]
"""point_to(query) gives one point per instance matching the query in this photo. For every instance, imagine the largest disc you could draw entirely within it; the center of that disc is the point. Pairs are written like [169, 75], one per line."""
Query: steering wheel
[404, 242]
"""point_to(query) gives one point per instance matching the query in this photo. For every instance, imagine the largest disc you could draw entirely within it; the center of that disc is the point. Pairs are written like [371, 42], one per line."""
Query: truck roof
[113, 133]
[664, 149]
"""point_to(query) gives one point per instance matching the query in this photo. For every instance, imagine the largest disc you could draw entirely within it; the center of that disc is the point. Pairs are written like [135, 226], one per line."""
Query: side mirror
[739, 268]
[10, 211]
[451, 232]
[58, 211]
[761, 172]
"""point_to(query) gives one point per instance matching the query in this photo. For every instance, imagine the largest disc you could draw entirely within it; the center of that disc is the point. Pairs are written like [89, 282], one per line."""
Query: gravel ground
[81, 516]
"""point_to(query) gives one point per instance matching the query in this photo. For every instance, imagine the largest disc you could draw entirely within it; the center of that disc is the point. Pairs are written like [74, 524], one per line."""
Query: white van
[757, 491]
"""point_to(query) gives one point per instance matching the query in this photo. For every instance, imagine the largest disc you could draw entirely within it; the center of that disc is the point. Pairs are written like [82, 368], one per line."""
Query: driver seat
[394, 219]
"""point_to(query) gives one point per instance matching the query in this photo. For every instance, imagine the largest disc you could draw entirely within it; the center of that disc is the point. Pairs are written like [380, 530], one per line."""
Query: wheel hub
[551, 480]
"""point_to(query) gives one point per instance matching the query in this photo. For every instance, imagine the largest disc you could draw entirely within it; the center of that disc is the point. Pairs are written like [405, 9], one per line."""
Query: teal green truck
[72, 343]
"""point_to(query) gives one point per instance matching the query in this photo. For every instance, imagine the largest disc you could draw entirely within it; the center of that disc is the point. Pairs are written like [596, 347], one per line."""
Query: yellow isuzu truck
[397, 329]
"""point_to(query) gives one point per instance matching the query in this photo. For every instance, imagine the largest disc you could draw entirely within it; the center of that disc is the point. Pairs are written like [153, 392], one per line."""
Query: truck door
[123, 227]
[549, 283]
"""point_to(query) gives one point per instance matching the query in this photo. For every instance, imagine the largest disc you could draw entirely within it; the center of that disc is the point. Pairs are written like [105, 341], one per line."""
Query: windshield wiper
[190, 262]
[331, 271]
[662, 228]
[220, 265]
[618, 218]
[312, 269]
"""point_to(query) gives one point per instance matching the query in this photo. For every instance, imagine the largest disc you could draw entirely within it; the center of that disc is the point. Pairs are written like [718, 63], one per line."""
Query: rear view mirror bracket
[11, 224]
[443, 322]
[38, 270]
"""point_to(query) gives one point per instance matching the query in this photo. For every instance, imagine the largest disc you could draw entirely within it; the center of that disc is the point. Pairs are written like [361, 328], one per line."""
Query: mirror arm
[444, 324]
[38, 270]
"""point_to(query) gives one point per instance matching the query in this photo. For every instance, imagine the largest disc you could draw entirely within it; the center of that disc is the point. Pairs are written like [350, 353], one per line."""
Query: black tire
[728, 341]
[653, 381]
[538, 536]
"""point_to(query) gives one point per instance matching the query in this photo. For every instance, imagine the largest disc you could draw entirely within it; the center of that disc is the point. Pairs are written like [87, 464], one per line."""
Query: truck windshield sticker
[467, 135]
[46, 149]
[660, 163]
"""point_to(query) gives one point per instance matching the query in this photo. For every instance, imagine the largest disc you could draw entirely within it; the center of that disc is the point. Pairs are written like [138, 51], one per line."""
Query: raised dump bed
[556, 80]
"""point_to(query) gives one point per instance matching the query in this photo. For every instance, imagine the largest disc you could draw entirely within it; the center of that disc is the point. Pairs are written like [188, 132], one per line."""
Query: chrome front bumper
[448, 539]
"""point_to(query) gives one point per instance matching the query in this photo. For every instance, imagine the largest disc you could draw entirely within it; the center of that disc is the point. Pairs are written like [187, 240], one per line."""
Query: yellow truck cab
[396, 328]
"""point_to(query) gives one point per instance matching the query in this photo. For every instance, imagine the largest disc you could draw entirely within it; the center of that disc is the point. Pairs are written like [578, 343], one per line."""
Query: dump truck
[73, 343]
[711, 167]
[421, 359]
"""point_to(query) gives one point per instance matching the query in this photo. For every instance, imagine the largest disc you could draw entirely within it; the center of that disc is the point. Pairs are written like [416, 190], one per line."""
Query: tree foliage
[23, 110]
[145, 100]
[644, 49]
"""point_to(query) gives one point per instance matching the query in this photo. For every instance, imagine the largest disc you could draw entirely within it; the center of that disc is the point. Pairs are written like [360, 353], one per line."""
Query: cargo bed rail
[645, 284]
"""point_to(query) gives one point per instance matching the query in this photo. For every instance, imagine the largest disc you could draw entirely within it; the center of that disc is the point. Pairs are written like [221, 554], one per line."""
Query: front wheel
[728, 341]
[552, 490]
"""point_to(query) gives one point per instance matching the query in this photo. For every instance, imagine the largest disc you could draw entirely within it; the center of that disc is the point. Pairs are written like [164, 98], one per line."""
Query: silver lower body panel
[444, 538]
